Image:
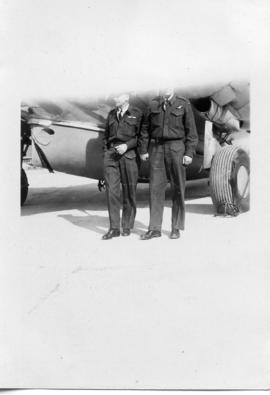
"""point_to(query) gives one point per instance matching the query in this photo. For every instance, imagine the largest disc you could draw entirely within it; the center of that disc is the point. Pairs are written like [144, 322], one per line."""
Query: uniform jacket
[177, 122]
[124, 131]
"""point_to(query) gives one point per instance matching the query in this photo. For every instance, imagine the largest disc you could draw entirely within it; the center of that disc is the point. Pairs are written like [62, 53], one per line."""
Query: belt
[161, 140]
[113, 144]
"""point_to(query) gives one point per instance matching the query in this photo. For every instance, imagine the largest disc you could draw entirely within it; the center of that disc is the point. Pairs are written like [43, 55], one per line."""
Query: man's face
[121, 100]
[166, 92]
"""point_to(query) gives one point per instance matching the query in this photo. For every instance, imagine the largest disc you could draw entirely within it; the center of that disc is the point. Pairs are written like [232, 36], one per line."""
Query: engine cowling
[222, 116]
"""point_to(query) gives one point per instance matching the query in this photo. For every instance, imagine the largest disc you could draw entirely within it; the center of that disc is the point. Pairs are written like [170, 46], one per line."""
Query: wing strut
[43, 158]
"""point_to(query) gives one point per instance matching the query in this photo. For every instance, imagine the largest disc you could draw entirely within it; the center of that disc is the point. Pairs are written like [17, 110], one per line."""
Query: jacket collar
[160, 100]
[128, 112]
[129, 109]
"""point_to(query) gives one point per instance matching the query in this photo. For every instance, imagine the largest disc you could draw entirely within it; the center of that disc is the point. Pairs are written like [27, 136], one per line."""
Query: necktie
[165, 104]
[119, 114]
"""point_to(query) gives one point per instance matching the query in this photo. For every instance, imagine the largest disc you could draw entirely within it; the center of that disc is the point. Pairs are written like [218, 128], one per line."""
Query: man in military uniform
[120, 164]
[169, 123]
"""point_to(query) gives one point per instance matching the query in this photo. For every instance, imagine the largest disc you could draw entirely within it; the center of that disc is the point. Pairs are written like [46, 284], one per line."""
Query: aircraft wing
[233, 95]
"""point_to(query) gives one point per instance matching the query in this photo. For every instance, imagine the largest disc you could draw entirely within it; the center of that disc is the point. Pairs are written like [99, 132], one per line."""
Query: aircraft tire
[229, 181]
[24, 187]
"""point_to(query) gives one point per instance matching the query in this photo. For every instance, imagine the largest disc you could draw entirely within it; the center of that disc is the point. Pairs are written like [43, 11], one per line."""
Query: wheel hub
[243, 181]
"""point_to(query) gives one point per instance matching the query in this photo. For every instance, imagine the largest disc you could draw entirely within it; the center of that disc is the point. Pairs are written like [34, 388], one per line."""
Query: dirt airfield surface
[127, 313]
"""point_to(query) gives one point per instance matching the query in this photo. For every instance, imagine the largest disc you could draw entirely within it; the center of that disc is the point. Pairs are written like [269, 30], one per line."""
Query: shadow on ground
[87, 197]
[97, 223]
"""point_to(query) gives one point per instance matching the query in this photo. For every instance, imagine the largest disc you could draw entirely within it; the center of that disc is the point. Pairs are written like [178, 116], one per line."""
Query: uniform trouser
[124, 170]
[166, 163]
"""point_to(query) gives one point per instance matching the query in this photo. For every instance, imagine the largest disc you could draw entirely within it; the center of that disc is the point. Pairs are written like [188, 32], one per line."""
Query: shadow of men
[97, 223]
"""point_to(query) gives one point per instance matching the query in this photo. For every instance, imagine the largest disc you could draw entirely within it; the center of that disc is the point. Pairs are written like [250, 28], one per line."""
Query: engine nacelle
[221, 116]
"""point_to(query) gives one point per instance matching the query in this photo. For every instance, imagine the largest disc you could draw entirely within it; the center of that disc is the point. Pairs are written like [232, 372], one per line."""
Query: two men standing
[169, 125]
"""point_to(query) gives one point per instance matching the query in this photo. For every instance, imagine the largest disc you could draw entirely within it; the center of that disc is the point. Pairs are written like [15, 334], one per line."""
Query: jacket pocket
[130, 154]
[178, 111]
[131, 121]
[177, 117]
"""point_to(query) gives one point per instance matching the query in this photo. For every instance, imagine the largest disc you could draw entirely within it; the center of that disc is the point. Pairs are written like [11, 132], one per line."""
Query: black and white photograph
[135, 195]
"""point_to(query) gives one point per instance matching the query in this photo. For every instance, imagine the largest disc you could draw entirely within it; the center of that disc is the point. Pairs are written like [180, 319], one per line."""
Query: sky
[93, 47]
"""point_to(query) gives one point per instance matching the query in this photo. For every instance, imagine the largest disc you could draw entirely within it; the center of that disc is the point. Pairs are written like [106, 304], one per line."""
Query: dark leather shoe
[110, 234]
[151, 234]
[126, 232]
[175, 234]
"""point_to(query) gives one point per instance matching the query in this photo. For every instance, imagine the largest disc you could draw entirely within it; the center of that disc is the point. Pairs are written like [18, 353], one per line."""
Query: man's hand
[144, 157]
[121, 149]
[187, 160]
